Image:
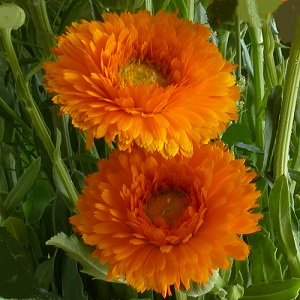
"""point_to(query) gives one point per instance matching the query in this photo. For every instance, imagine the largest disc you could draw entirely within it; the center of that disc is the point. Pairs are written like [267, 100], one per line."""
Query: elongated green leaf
[281, 218]
[74, 12]
[295, 175]
[16, 279]
[44, 273]
[72, 285]
[23, 186]
[7, 113]
[81, 253]
[265, 267]
[17, 271]
[272, 117]
[17, 228]
[278, 290]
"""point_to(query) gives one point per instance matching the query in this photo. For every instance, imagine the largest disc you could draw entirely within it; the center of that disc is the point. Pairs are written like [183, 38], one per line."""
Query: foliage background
[43, 160]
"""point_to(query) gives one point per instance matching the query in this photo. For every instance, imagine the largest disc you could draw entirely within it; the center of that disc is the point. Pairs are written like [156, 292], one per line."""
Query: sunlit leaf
[280, 290]
[264, 264]
[281, 217]
[81, 253]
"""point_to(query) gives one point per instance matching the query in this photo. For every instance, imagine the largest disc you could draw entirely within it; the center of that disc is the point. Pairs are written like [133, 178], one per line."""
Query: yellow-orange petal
[155, 81]
[159, 222]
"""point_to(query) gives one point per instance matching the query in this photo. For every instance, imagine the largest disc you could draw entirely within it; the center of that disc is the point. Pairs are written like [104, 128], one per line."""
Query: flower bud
[11, 16]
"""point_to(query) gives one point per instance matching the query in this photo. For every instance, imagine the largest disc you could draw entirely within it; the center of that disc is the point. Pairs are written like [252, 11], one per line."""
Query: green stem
[149, 6]
[190, 10]
[269, 46]
[180, 295]
[223, 36]
[40, 127]
[46, 40]
[238, 59]
[289, 99]
[41, 22]
[258, 85]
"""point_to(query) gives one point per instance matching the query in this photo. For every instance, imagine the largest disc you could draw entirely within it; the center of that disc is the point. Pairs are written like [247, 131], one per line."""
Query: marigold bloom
[155, 81]
[161, 222]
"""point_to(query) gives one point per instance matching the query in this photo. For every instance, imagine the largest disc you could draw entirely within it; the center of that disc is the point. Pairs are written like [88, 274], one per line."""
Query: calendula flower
[159, 222]
[154, 81]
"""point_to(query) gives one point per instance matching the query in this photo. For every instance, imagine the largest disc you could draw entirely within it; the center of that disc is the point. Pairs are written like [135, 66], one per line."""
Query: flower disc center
[137, 73]
[165, 208]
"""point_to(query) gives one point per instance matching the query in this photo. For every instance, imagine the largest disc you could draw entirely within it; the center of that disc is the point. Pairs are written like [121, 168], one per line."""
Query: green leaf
[122, 291]
[72, 286]
[17, 280]
[41, 196]
[9, 114]
[44, 273]
[61, 215]
[272, 117]
[236, 132]
[81, 253]
[295, 175]
[279, 290]
[281, 218]
[73, 13]
[264, 264]
[17, 228]
[23, 186]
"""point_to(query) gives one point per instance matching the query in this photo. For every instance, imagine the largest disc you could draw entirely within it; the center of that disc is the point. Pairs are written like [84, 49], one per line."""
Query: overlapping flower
[170, 209]
[154, 81]
[161, 222]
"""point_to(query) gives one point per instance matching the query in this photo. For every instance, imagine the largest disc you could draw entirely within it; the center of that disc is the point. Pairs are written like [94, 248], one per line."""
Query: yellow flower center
[166, 208]
[137, 73]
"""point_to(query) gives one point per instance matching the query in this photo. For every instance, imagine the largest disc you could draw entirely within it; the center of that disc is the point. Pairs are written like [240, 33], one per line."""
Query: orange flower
[161, 222]
[154, 81]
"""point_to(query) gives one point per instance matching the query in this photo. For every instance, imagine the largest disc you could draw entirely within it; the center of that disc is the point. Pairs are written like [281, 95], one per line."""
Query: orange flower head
[159, 222]
[152, 81]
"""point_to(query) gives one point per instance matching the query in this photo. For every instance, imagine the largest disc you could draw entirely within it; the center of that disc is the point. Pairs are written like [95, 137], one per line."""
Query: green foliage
[81, 253]
[278, 290]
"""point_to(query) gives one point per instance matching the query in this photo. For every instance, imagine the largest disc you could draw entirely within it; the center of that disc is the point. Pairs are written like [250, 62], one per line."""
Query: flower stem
[269, 45]
[180, 295]
[40, 127]
[258, 84]
[41, 22]
[190, 10]
[289, 99]
[238, 59]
